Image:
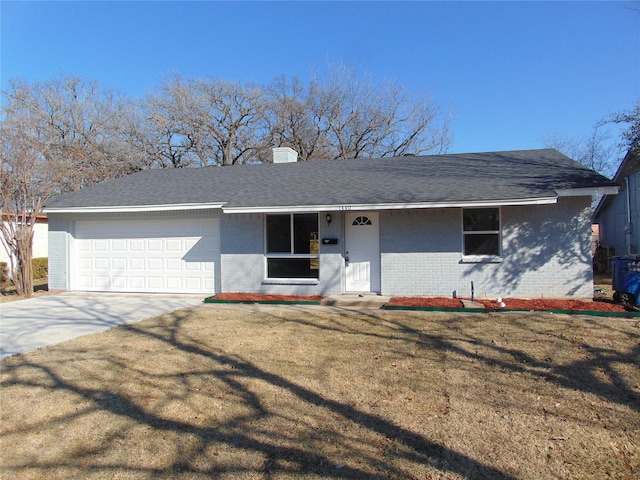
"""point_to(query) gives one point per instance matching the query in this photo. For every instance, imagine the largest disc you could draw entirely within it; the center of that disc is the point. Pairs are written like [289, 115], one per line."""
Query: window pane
[305, 236]
[278, 233]
[482, 244]
[481, 219]
[292, 268]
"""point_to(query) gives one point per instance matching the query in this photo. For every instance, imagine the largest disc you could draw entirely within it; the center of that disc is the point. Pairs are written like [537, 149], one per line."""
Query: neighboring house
[40, 241]
[513, 223]
[618, 216]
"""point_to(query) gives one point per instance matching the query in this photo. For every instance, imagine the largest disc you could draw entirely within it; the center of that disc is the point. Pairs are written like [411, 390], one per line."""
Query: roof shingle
[472, 177]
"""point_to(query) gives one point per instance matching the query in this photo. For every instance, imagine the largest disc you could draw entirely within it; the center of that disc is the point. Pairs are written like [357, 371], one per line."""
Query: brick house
[514, 223]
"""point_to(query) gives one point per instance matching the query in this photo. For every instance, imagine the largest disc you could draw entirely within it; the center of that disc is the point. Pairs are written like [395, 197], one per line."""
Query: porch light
[329, 218]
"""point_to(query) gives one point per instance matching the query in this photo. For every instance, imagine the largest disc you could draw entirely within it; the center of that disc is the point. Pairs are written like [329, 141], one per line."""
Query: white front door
[362, 250]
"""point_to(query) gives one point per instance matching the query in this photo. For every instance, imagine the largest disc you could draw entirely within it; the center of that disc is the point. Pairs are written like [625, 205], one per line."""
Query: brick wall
[243, 260]
[546, 252]
[58, 252]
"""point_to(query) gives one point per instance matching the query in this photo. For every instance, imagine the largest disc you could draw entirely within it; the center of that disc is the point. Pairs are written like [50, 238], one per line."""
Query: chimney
[284, 155]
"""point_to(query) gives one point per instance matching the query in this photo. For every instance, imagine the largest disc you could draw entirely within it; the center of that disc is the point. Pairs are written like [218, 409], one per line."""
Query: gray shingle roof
[473, 177]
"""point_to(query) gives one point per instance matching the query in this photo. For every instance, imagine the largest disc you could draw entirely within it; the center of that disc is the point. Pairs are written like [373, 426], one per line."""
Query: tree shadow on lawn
[269, 452]
[204, 444]
[578, 375]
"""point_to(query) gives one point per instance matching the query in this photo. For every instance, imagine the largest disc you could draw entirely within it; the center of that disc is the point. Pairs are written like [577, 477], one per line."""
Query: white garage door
[159, 256]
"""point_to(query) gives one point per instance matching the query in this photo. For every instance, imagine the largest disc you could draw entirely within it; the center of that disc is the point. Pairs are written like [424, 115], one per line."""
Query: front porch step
[355, 300]
[471, 304]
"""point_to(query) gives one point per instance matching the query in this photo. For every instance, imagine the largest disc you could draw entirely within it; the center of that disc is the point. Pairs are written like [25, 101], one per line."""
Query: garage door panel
[154, 245]
[173, 245]
[154, 264]
[146, 256]
[101, 281]
[194, 283]
[100, 264]
[136, 245]
[119, 245]
[119, 264]
[101, 246]
[137, 263]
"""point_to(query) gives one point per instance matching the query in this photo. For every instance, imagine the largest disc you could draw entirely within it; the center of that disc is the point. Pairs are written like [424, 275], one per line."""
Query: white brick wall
[546, 253]
[243, 260]
[58, 252]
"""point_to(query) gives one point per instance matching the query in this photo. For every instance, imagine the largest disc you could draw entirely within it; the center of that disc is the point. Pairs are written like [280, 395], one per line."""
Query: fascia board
[390, 206]
[588, 191]
[135, 208]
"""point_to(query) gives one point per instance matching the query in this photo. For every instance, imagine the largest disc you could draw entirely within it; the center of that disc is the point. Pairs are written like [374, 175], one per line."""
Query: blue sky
[512, 71]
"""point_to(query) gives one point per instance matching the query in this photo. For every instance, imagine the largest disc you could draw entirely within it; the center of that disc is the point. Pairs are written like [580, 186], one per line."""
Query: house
[40, 240]
[618, 216]
[509, 223]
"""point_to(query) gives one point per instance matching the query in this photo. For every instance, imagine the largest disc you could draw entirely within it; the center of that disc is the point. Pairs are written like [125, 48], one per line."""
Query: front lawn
[8, 291]
[257, 392]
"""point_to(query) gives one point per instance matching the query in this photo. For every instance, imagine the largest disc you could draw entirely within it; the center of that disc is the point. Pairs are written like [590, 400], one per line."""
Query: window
[481, 231]
[293, 249]
[361, 220]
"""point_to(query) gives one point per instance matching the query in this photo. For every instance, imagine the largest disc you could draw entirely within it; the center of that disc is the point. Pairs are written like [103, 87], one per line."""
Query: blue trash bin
[626, 279]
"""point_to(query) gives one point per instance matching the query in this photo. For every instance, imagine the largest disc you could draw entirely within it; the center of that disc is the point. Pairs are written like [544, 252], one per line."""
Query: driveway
[26, 325]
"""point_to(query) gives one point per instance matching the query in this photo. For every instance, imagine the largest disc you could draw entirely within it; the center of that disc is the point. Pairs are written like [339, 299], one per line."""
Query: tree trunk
[23, 277]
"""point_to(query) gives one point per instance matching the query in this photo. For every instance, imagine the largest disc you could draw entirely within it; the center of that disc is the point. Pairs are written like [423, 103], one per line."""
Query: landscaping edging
[264, 302]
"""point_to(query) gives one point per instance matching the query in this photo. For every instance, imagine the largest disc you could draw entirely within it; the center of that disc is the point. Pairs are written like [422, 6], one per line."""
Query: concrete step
[470, 304]
[356, 300]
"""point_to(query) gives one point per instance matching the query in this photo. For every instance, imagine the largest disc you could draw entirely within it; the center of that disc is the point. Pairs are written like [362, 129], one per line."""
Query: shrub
[4, 273]
[40, 267]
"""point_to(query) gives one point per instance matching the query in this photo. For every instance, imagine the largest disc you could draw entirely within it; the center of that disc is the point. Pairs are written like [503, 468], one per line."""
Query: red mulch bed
[436, 302]
[257, 297]
[510, 303]
[549, 304]
[441, 302]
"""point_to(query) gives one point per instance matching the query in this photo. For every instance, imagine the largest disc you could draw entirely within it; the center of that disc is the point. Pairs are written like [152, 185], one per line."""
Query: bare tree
[222, 123]
[295, 117]
[24, 187]
[83, 126]
[56, 136]
[152, 133]
[595, 150]
[631, 133]
[346, 115]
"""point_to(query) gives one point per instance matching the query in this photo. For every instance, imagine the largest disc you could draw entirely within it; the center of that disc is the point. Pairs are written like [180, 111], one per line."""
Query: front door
[362, 252]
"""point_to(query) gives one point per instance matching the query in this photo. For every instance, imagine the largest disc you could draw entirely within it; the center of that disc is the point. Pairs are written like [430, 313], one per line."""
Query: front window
[293, 249]
[481, 231]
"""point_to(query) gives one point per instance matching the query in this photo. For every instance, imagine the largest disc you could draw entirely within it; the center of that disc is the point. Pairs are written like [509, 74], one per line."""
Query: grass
[8, 291]
[284, 393]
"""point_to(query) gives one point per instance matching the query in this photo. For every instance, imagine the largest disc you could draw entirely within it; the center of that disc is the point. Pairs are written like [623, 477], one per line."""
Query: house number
[345, 208]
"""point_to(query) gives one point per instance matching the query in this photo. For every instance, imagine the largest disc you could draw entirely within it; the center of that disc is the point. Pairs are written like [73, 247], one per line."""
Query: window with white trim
[481, 231]
[293, 248]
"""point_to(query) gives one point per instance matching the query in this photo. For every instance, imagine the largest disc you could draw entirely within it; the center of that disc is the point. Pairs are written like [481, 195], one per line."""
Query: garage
[151, 255]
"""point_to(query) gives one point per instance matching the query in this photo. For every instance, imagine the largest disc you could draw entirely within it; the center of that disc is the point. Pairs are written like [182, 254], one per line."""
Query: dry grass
[8, 291]
[288, 392]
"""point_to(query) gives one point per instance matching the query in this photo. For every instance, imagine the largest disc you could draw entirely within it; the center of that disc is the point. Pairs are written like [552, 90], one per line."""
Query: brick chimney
[284, 155]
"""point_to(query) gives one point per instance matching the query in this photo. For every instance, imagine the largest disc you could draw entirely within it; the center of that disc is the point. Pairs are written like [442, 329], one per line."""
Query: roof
[493, 178]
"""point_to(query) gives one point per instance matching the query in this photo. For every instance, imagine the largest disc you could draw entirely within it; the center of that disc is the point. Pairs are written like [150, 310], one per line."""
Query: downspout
[628, 229]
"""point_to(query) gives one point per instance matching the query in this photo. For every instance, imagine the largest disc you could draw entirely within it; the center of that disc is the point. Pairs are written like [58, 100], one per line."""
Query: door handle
[346, 258]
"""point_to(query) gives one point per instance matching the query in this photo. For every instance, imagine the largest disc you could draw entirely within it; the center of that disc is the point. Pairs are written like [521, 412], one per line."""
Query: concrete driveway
[26, 325]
